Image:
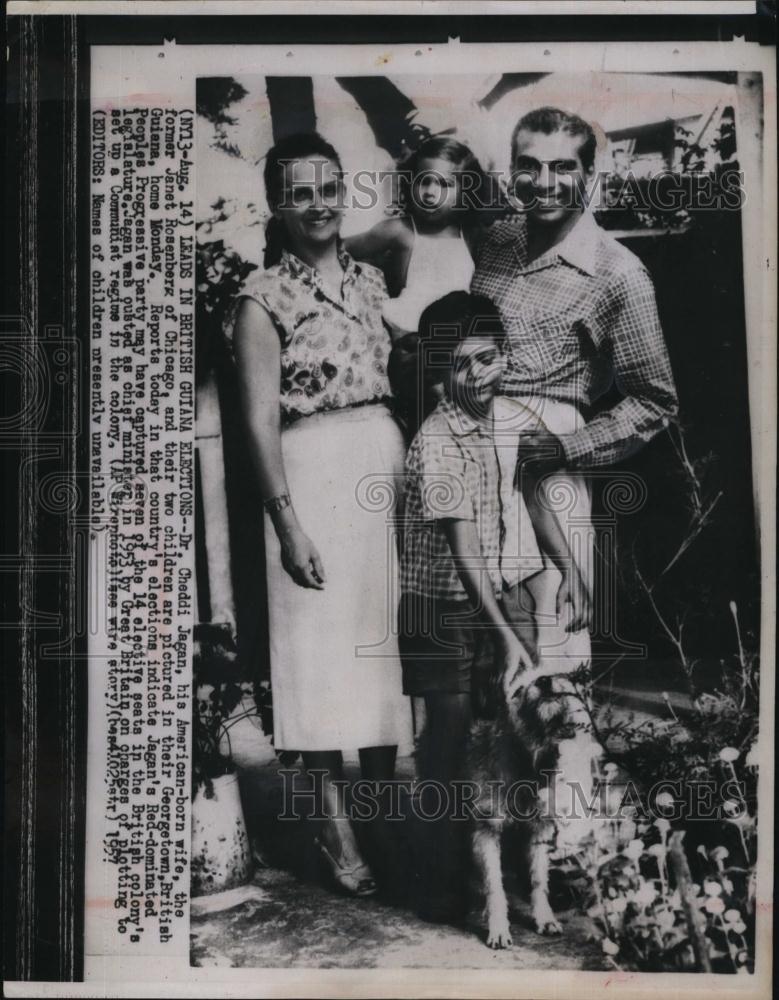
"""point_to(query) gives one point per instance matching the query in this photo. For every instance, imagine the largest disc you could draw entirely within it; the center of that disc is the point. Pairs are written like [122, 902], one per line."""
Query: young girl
[428, 252]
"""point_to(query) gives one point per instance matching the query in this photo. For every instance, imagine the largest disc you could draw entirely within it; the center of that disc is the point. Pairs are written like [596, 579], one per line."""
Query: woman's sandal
[356, 881]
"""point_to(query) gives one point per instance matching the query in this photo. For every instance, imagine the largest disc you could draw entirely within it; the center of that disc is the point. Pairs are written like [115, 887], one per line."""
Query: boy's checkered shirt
[452, 472]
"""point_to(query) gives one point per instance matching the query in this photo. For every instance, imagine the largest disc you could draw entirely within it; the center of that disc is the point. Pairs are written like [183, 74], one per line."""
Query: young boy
[455, 624]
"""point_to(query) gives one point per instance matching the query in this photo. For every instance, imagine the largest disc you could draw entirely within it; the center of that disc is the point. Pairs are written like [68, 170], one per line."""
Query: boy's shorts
[445, 647]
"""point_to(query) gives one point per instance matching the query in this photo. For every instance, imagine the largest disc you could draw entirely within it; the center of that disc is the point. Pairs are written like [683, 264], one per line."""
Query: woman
[311, 353]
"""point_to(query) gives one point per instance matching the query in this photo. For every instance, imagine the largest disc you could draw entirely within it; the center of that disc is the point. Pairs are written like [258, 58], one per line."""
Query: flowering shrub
[667, 876]
[222, 699]
[647, 908]
[219, 274]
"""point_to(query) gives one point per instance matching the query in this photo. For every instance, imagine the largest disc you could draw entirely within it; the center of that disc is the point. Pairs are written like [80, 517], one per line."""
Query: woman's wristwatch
[275, 504]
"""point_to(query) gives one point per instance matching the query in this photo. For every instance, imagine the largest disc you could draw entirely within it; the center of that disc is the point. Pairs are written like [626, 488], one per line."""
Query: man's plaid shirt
[452, 472]
[578, 318]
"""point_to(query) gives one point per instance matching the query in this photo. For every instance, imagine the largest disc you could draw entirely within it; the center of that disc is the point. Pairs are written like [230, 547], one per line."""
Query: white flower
[635, 849]
[662, 825]
[752, 758]
[610, 947]
[664, 800]
[714, 905]
[732, 916]
[646, 894]
[712, 888]
[658, 850]
[729, 754]
[739, 928]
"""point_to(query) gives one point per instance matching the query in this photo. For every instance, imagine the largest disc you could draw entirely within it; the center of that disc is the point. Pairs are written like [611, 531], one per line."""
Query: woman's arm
[472, 568]
[258, 361]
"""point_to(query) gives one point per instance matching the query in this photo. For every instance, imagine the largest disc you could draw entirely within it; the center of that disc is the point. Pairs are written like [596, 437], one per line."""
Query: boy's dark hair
[449, 321]
[550, 120]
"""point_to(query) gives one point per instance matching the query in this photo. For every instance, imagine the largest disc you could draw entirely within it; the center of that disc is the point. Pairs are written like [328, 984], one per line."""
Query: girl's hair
[478, 196]
[292, 147]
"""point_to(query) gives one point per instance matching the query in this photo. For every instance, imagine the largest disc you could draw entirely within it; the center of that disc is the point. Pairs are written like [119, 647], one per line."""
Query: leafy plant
[648, 203]
[668, 874]
[220, 694]
[214, 95]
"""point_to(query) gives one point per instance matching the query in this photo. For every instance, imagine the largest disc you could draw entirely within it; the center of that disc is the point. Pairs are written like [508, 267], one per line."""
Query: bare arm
[258, 361]
[373, 244]
[472, 568]
[553, 543]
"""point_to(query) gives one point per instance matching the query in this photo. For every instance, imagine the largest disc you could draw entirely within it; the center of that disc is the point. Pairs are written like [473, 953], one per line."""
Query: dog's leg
[540, 848]
[486, 852]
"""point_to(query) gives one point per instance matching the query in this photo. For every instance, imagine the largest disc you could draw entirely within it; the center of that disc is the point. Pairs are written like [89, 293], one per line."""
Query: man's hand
[541, 451]
[514, 661]
[573, 591]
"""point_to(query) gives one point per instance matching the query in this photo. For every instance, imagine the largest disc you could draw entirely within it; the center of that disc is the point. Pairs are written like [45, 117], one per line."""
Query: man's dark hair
[446, 323]
[550, 120]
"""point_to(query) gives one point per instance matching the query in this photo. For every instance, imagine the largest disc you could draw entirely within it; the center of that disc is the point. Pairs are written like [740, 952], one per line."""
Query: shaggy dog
[541, 726]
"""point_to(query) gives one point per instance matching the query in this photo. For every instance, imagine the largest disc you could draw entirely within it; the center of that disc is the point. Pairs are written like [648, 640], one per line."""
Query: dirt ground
[290, 915]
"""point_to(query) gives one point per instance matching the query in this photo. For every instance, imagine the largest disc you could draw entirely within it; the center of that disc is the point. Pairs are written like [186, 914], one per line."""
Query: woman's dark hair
[480, 195]
[291, 147]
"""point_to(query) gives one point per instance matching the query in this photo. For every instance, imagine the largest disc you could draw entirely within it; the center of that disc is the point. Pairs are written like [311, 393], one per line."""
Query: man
[580, 315]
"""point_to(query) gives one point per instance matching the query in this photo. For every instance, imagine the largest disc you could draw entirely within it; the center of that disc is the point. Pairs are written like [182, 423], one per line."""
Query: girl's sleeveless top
[437, 266]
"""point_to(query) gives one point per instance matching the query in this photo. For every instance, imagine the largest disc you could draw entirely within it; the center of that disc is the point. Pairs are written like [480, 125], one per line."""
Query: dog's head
[544, 711]
[550, 720]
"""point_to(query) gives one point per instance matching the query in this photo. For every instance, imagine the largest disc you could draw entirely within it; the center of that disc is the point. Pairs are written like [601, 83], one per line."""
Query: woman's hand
[573, 591]
[514, 661]
[300, 559]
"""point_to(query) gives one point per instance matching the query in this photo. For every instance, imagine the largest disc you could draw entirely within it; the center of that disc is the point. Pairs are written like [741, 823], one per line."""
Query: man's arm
[642, 373]
[553, 543]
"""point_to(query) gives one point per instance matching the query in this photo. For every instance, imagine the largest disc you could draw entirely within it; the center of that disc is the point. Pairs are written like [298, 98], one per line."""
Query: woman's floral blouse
[333, 351]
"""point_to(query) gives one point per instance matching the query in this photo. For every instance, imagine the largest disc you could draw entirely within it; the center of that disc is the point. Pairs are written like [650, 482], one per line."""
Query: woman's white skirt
[335, 667]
